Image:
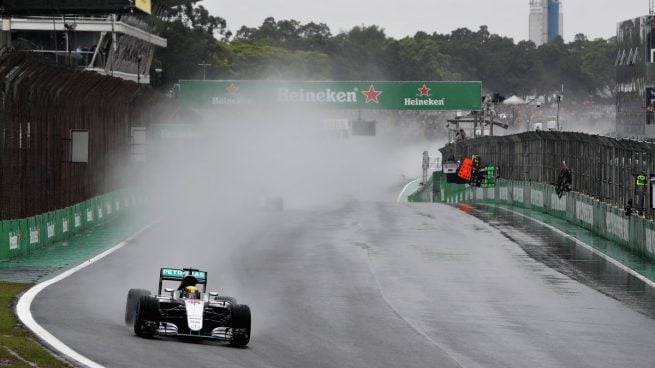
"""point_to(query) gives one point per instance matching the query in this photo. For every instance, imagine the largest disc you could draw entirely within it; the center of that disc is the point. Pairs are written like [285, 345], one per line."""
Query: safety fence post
[59, 224]
[4, 240]
[638, 235]
[649, 238]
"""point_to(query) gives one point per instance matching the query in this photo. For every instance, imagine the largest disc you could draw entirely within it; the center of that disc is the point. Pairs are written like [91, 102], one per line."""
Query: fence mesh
[39, 106]
[602, 167]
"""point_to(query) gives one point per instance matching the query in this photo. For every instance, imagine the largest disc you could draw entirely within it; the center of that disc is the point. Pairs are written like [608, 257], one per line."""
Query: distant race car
[185, 311]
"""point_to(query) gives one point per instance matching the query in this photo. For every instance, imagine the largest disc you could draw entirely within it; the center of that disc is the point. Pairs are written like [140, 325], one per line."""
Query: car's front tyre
[240, 324]
[133, 297]
[147, 316]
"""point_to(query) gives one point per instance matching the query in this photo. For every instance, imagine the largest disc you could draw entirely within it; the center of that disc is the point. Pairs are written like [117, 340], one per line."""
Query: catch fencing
[40, 106]
[603, 168]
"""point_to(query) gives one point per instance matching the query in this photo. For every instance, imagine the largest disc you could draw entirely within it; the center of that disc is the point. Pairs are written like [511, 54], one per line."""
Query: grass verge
[17, 347]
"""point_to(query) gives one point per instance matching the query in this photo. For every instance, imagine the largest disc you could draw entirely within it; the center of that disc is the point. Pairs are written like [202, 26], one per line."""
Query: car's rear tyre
[240, 324]
[133, 297]
[229, 299]
[147, 316]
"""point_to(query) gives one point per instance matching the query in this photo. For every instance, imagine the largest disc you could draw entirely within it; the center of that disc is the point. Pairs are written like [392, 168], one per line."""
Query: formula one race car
[185, 311]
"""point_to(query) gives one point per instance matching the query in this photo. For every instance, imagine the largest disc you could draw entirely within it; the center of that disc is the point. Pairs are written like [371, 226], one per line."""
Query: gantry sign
[339, 95]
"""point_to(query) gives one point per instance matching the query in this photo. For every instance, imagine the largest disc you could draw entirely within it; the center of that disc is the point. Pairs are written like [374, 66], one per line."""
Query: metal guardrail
[39, 106]
[86, 25]
[602, 167]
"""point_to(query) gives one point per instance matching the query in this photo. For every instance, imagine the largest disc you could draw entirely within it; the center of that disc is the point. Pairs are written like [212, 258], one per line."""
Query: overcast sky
[399, 18]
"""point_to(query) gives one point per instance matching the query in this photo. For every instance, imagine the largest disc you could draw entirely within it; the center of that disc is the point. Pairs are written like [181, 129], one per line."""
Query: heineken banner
[339, 95]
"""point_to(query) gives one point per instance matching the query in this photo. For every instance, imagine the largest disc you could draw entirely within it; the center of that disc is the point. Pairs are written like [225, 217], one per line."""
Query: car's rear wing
[176, 274]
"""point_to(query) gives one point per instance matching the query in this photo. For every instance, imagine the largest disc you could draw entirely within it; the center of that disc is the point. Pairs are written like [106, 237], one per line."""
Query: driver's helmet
[191, 292]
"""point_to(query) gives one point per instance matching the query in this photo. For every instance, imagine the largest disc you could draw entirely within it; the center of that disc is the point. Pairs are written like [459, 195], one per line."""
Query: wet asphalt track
[367, 284]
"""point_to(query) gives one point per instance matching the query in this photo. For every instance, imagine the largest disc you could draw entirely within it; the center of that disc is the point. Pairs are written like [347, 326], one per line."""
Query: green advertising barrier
[23, 236]
[632, 232]
[375, 95]
[62, 224]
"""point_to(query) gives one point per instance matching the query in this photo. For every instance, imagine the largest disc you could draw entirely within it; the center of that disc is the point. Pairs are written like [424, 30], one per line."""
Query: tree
[257, 61]
[597, 66]
[290, 49]
[417, 58]
[359, 54]
[190, 31]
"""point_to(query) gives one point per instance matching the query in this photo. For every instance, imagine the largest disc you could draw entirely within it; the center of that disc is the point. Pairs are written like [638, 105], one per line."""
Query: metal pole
[425, 166]
[114, 47]
[484, 120]
[491, 124]
[204, 70]
[558, 100]
[458, 129]
[138, 68]
[475, 123]
[54, 30]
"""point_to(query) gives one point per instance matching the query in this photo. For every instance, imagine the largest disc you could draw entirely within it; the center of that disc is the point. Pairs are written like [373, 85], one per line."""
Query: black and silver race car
[181, 313]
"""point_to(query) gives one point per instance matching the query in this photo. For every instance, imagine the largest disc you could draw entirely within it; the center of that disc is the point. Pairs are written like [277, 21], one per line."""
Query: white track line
[611, 260]
[399, 315]
[25, 302]
[400, 196]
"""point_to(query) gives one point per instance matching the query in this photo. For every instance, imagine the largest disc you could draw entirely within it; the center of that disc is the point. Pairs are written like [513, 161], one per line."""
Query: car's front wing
[218, 333]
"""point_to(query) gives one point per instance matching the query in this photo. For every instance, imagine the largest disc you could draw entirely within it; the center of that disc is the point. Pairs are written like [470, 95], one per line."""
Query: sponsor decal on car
[176, 273]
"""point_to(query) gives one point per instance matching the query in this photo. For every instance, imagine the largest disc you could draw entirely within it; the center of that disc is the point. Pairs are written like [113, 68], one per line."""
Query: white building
[546, 21]
[111, 37]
